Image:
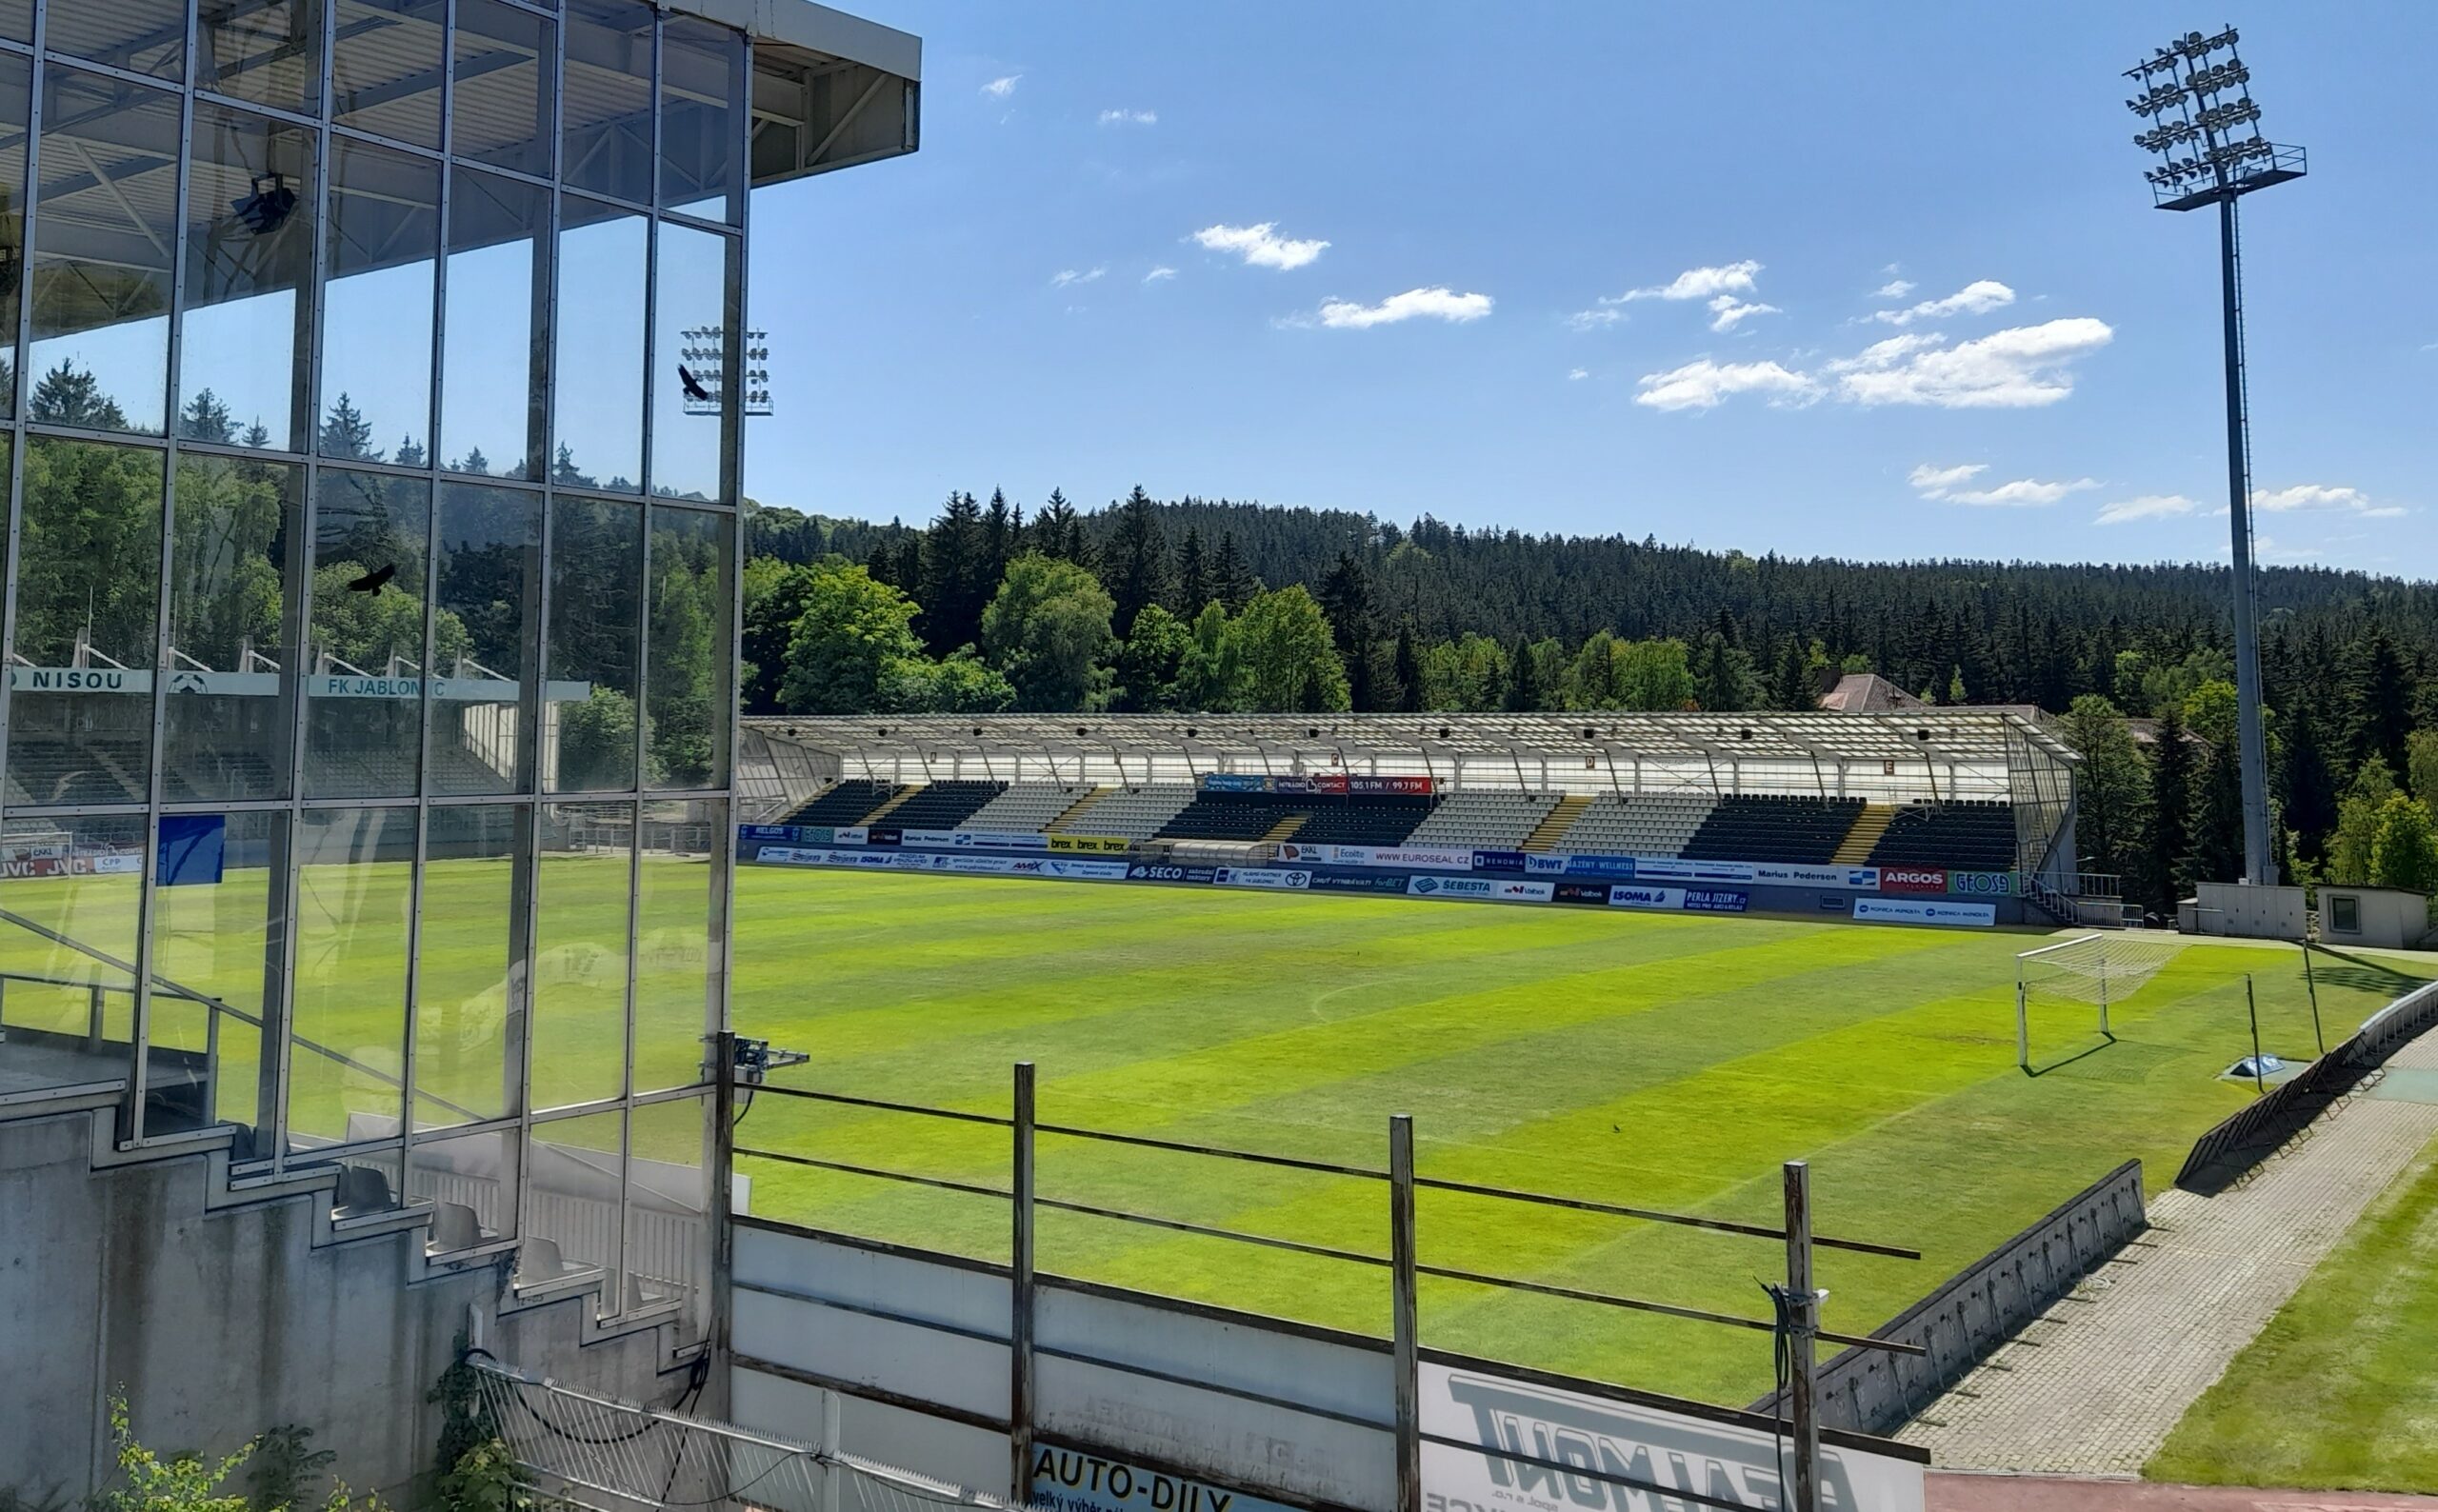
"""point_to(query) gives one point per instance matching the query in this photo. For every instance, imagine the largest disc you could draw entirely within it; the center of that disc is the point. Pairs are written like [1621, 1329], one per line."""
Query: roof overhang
[830, 90]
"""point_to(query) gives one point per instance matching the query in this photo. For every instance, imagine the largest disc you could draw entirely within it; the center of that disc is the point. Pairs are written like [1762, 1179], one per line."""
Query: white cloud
[2268, 550]
[1893, 289]
[1260, 245]
[1436, 303]
[2023, 366]
[1000, 88]
[2320, 498]
[1976, 298]
[1160, 274]
[1066, 276]
[1594, 319]
[1942, 484]
[1725, 310]
[1702, 384]
[1576, 374]
[1129, 118]
[1697, 283]
[2147, 506]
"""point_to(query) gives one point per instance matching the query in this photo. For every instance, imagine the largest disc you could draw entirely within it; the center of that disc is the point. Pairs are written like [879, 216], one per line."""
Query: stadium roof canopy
[1949, 737]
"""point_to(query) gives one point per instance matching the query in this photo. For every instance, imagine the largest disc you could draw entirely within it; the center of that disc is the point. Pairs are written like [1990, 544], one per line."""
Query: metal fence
[1796, 1328]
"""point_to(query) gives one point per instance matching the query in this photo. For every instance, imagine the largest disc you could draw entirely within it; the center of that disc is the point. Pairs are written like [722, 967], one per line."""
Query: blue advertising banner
[1379, 882]
[1716, 899]
[192, 849]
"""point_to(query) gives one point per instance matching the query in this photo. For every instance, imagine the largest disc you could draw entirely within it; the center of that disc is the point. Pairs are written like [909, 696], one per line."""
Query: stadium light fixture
[2194, 96]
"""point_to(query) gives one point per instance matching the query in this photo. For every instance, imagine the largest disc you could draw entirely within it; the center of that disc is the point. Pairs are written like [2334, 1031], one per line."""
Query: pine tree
[2308, 786]
[475, 461]
[2381, 701]
[1136, 572]
[1001, 532]
[952, 590]
[1058, 532]
[345, 433]
[2171, 812]
[411, 455]
[1407, 668]
[1345, 598]
[1792, 688]
[69, 395]
[1193, 577]
[1523, 684]
[206, 419]
[1231, 581]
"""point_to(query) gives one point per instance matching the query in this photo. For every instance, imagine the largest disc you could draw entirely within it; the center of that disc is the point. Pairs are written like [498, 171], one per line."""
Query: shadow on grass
[2363, 975]
[2106, 1042]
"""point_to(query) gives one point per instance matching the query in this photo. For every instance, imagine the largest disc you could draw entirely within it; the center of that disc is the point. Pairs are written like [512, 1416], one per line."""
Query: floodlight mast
[2193, 93]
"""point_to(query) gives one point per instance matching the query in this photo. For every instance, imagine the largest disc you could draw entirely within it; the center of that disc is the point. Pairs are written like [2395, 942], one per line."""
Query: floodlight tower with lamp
[2205, 128]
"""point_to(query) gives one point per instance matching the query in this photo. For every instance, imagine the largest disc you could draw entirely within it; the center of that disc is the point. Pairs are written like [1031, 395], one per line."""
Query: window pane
[580, 953]
[17, 20]
[675, 969]
[600, 347]
[142, 36]
[364, 663]
[702, 79]
[490, 384]
[607, 115]
[16, 100]
[269, 52]
[385, 68]
[233, 563]
[668, 1235]
[574, 1174]
[596, 623]
[469, 1007]
[501, 113]
[80, 715]
[490, 590]
[102, 242]
[691, 405]
[686, 672]
[376, 342]
[212, 897]
[471, 1184]
[354, 875]
[249, 261]
[68, 1017]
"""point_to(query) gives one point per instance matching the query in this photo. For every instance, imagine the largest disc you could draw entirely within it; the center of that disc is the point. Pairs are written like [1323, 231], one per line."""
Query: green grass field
[2341, 1389]
[1666, 1061]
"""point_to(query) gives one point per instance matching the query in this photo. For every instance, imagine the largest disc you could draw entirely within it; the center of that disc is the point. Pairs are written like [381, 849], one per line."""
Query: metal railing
[1797, 1328]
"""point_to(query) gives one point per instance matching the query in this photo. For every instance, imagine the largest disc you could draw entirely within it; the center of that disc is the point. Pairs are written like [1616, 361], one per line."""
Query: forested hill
[2012, 633]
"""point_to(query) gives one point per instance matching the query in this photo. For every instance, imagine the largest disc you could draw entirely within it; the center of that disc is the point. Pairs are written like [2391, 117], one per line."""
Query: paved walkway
[2032, 1493]
[2094, 1385]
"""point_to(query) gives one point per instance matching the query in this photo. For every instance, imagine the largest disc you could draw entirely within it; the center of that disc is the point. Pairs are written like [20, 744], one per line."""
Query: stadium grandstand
[1807, 812]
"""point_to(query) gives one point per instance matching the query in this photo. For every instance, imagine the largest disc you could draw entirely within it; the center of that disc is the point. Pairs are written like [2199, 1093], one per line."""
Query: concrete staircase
[1067, 817]
[1554, 827]
[898, 797]
[1874, 823]
[1284, 829]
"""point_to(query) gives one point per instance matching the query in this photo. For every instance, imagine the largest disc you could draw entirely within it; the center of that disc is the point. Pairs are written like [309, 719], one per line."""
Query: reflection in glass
[249, 263]
[17, 20]
[575, 1175]
[470, 1001]
[377, 308]
[489, 598]
[678, 877]
[385, 68]
[600, 389]
[238, 529]
[89, 574]
[686, 676]
[702, 83]
[364, 658]
[690, 410]
[212, 944]
[469, 1182]
[581, 916]
[597, 623]
[501, 112]
[606, 124]
[668, 1235]
[490, 382]
[67, 1011]
[101, 268]
[141, 37]
[16, 103]
[265, 52]
[355, 875]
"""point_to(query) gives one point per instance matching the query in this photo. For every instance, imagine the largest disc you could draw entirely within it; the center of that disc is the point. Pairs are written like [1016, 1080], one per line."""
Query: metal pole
[723, 1206]
[1020, 1296]
[2259, 1083]
[1405, 1313]
[2312, 985]
[1801, 1379]
[2023, 1028]
[2259, 869]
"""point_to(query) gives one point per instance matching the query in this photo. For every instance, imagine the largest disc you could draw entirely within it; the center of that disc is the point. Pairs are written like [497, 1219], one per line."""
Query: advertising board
[1912, 879]
[1925, 911]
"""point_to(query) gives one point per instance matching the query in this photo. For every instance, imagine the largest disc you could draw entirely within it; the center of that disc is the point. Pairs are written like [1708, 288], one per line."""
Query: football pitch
[1648, 1059]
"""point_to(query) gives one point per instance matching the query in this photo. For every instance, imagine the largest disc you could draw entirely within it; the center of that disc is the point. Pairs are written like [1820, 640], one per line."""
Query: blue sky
[1106, 266]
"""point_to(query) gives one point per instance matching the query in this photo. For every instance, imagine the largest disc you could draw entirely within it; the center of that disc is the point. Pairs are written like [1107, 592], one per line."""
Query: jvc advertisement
[1927, 910]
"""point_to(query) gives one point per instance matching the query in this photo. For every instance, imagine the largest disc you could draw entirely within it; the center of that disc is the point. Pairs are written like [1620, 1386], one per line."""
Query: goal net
[2091, 972]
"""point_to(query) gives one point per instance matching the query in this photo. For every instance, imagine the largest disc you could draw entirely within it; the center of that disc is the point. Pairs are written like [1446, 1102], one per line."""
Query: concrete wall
[219, 1321]
[2385, 917]
[2233, 909]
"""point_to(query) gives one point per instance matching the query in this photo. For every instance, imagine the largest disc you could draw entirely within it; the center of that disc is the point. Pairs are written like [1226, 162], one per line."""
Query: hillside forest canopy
[1224, 607]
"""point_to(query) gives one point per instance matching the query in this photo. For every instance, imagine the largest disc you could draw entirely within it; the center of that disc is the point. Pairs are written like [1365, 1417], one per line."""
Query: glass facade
[373, 455]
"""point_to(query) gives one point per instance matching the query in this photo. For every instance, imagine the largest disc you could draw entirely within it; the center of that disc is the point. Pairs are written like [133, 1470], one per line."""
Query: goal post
[2098, 970]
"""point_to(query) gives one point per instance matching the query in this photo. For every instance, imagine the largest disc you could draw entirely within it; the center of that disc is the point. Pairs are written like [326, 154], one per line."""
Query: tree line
[1221, 606]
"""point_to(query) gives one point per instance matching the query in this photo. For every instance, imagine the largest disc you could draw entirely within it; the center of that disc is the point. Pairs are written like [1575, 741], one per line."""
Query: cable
[1782, 1358]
